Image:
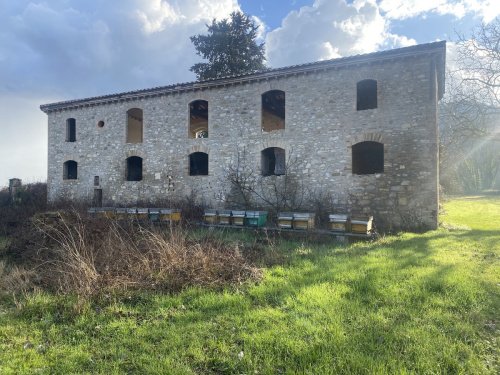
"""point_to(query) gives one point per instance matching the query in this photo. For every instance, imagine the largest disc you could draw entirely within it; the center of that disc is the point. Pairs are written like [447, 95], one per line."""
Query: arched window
[198, 119]
[70, 170]
[198, 164]
[134, 168]
[272, 161]
[71, 130]
[367, 158]
[366, 94]
[134, 125]
[273, 110]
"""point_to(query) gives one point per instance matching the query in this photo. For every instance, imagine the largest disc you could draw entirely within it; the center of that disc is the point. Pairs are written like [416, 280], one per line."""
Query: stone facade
[322, 124]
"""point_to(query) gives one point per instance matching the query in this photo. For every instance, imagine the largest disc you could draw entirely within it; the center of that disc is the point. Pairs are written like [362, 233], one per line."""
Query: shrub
[72, 253]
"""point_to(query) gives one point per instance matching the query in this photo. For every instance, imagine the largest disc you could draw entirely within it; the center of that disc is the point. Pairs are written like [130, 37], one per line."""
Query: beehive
[106, 212]
[170, 215]
[338, 222]
[210, 217]
[225, 217]
[362, 225]
[142, 214]
[285, 220]
[154, 214]
[303, 221]
[238, 217]
[132, 213]
[255, 218]
[121, 213]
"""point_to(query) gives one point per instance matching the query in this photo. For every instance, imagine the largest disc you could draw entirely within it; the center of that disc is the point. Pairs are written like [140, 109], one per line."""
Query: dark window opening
[134, 168]
[198, 164]
[273, 161]
[367, 158]
[96, 180]
[273, 110]
[198, 119]
[71, 130]
[366, 94]
[70, 170]
[134, 125]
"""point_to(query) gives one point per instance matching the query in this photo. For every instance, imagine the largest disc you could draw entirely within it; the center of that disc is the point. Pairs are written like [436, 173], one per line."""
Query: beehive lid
[285, 215]
[361, 220]
[302, 215]
[210, 212]
[132, 210]
[238, 213]
[337, 217]
[165, 210]
[154, 210]
[121, 210]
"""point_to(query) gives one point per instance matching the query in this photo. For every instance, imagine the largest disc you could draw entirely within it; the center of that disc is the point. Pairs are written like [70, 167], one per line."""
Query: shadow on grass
[389, 306]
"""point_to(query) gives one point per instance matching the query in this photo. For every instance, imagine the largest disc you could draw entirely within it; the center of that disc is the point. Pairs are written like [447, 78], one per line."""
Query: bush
[72, 253]
[30, 198]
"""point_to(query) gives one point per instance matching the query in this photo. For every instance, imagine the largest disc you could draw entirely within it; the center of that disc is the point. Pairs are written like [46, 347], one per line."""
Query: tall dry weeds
[76, 254]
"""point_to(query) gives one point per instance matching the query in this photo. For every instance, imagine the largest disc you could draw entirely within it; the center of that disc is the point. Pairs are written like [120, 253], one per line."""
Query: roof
[437, 48]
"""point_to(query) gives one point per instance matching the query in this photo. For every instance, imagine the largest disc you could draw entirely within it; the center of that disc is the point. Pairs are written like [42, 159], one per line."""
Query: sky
[54, 50]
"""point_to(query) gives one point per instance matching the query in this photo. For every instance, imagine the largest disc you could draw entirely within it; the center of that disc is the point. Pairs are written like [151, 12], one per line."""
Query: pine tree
[230, 48]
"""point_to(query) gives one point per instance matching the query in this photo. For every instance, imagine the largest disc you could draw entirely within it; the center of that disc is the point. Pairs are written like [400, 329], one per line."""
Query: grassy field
[407, 304]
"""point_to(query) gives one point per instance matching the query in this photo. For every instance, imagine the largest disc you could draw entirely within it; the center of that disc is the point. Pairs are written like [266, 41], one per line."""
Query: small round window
[100, 124]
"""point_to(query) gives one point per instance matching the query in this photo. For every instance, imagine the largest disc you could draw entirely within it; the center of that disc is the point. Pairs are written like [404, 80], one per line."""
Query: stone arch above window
[134, 125]
[273, 110]
[366, 93]
[71, 130]
[198, 119]
[198, 164]
[272, 161]
[134, 168]
[368, 157]
[70, 170]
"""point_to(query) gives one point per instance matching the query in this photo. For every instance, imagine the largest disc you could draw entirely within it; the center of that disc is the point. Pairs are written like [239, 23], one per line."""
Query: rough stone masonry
[362, 130]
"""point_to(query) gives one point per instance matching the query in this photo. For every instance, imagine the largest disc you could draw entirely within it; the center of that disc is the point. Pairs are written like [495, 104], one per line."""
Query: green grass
[407, 304]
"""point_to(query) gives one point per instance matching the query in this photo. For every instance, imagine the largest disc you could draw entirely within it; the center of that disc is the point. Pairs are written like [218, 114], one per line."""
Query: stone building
[361, 130]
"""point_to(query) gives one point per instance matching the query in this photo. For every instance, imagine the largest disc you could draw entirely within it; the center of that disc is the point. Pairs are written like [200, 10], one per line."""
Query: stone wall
[322, 124]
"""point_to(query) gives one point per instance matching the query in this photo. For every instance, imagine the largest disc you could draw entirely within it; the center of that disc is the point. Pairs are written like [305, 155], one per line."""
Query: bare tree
[247, 187]
[242, 180]
[479, 63]
[469, 120]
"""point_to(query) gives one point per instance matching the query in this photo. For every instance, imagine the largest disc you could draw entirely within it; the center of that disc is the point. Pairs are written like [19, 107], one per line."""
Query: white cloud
[74, 48]
[329, 29]
[403, 9]
[66, 49]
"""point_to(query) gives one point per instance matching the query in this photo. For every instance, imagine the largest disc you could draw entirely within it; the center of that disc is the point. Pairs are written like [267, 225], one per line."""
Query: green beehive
[256, 218]
[154, 214]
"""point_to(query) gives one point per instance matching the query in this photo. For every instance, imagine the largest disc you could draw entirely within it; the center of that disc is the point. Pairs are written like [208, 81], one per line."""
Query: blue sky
[52, 50]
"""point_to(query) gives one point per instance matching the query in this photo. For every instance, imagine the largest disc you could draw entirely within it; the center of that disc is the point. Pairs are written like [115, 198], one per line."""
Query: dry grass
[76, 254]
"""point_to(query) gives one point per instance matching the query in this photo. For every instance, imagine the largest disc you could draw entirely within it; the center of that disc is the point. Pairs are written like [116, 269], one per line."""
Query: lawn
[404, 304]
